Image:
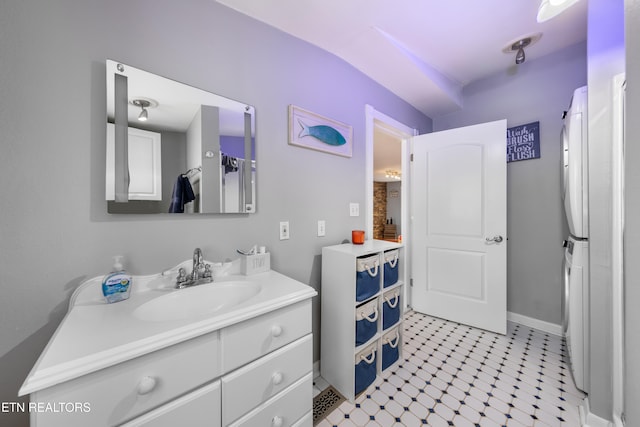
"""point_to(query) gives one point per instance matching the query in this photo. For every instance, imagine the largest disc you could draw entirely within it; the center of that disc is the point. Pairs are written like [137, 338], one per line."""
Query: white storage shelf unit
[343, 303]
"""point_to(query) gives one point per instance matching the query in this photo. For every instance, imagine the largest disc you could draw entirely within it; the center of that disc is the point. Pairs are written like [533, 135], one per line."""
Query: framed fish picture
[313, 131]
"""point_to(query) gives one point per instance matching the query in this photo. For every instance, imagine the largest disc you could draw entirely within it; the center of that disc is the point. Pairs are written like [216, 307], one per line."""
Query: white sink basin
[196, 301]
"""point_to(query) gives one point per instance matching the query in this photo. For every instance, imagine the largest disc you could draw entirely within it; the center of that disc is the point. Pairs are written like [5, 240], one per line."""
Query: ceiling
[424, 51]
[173, 105]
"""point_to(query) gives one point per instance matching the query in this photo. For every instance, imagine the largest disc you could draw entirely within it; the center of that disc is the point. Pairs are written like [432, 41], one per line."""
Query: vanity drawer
[124, 391]
[305, 421]
[189, 410]
[284, 409]
[256, 382]
[249, 340]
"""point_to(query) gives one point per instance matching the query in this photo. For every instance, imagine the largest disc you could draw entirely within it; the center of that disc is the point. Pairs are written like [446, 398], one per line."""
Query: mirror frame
[173, 106]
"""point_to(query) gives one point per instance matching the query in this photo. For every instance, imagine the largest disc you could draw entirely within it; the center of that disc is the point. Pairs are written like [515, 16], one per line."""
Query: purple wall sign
[523, 142]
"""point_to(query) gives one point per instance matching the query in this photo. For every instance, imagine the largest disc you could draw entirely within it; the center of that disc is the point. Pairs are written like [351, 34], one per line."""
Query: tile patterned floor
[456, 375]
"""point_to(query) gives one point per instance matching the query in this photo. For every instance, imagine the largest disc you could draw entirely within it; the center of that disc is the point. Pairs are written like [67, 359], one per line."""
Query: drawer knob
[277, 378]
[277, 421]
[146, 385]
[276, 330]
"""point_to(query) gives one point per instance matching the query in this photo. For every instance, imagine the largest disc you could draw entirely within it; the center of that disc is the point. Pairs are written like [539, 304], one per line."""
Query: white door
[459, 220]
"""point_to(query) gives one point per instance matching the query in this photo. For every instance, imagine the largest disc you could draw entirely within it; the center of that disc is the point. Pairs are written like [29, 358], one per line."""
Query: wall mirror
[173, 148]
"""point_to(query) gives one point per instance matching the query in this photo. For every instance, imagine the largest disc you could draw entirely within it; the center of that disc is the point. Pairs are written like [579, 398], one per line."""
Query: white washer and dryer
[576, 258]
[576, 310]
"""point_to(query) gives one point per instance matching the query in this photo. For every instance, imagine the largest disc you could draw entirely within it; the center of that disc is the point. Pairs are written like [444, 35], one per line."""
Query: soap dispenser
[116, 285]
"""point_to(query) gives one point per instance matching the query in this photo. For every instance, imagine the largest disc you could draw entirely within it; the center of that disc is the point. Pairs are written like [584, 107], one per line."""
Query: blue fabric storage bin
[365, 369]
[391, 308]
[390, 348]
[367, 277]
[391, 260]
[366, 321]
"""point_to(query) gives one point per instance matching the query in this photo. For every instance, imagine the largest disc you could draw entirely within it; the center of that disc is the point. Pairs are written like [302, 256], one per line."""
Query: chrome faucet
[200, 274]
[197, 263]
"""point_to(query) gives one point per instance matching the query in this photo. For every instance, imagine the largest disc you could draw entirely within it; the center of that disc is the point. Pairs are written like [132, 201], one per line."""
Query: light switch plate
[354, 209]
[284, 230]
[321, 228]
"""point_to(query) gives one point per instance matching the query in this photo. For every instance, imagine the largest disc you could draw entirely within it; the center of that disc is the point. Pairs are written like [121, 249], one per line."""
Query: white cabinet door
[145, 164]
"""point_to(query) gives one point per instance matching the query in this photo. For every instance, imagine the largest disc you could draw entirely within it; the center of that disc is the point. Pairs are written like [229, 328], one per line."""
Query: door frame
[375, 119]
[617, 257]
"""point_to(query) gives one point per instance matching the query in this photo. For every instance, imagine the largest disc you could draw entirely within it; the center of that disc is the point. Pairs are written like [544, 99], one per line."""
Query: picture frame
[316, 132]
[523, 142]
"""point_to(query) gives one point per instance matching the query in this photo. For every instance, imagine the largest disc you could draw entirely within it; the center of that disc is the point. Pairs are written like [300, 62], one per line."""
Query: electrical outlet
[354, 209]
[321, 228]
[284, 230]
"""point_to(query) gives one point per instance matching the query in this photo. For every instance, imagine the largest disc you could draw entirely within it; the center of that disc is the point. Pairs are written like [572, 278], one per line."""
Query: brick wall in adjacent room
[379, 209]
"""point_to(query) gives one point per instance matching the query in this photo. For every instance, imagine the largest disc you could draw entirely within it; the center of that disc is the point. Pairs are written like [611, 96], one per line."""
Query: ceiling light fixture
[551, 8]
[143, 104]
[392, 174]
[519, 45]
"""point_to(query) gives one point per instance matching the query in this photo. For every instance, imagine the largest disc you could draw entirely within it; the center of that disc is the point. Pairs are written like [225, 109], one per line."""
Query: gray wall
[538, 90]
[606, 59]
[632, 216]
[54, 230]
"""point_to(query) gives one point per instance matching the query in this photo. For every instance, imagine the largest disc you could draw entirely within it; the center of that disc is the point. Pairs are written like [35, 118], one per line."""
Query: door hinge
[411, 282]
[412, 157]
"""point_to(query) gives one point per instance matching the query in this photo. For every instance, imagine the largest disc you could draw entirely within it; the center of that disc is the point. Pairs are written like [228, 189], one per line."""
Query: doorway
[386, 158]
[387, 184]
[478, 148]
[385, 133]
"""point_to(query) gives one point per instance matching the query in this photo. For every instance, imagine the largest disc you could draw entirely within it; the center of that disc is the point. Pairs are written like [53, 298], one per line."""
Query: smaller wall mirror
[173, 148]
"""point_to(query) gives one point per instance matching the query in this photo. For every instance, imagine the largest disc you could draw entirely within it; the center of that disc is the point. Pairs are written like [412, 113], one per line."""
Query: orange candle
[357, 237]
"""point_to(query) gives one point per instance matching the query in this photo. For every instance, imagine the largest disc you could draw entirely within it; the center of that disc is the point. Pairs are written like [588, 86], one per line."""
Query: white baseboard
[587, 419]
[550, 328]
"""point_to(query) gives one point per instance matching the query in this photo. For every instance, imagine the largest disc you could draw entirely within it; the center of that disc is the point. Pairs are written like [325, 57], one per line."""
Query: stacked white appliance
[576, 258]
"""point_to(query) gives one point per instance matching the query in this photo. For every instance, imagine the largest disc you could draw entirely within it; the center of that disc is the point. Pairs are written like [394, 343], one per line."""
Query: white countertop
[95, 335]
[367, 247]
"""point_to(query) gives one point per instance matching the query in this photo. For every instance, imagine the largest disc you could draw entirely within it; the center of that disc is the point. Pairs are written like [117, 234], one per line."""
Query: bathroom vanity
[235, 352]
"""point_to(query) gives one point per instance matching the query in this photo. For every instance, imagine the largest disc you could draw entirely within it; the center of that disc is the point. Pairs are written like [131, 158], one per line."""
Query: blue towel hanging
[182, 193]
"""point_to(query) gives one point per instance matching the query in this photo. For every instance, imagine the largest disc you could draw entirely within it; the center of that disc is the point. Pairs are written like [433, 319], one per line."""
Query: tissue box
[254, 264]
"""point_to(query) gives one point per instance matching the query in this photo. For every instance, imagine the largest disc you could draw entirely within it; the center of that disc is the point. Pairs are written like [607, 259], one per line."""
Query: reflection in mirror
[175, 148]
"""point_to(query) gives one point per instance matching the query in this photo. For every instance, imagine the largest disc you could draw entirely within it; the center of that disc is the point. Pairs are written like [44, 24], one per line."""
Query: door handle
[496, 239]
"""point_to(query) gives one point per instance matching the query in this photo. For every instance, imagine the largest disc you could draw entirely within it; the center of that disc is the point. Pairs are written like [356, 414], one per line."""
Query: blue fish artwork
[324, 133]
